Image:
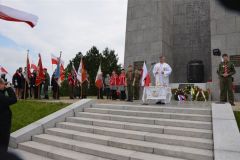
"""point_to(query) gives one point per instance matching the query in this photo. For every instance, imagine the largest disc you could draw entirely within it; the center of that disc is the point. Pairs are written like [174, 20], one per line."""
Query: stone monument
[182, 30]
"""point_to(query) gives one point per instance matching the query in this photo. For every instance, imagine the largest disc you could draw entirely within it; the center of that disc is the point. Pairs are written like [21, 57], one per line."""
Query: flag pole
[59, 61]
[25, 84]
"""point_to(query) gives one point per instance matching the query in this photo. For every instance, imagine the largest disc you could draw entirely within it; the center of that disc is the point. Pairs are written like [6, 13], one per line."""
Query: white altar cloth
[157, 93]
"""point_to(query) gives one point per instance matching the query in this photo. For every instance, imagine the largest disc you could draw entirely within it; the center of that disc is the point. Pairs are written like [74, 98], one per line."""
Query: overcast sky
[69, 26]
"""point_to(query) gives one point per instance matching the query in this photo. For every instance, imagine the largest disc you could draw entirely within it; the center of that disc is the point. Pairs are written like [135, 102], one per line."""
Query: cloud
[65, 25]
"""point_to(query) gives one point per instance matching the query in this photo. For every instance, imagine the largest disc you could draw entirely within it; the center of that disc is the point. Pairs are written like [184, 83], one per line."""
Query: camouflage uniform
[226, 89]
[130, 77]
[137, 77]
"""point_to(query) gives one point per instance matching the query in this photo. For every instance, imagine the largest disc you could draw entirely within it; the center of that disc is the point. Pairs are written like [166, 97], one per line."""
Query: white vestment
[161, 72]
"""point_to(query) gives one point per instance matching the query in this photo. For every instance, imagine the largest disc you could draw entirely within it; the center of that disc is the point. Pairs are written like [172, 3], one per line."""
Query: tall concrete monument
[182, 31]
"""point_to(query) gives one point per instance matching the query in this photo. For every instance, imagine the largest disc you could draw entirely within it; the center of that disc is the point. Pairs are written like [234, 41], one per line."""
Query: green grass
[26, 112]
[237, 115]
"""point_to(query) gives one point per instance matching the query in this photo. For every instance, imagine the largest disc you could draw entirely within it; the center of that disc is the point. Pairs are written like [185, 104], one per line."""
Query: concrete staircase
[129, 132]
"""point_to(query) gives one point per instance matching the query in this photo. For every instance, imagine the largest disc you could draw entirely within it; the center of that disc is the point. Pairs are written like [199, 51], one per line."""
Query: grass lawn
[26, 112]
[237, 115]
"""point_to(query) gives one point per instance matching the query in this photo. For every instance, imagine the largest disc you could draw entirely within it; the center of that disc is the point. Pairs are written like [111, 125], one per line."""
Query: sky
[69, 26]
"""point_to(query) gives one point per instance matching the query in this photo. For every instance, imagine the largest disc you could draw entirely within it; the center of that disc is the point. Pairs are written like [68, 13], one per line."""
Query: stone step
[129, 145]
[170, 109]
[103, 151]
[189, 132]
[55, 152]
[150, 137]
[28, 156]
[192, 117]
[156, 121]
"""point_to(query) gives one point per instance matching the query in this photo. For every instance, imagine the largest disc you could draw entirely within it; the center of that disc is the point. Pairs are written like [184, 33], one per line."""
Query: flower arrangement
[190, 93]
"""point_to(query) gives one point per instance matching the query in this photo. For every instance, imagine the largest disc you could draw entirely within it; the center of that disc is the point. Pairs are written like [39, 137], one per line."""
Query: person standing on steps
[225, 72]
[130, 78]
[161, 72]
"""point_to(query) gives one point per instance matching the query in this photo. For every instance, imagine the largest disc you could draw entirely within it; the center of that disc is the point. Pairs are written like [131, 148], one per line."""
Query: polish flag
[54, 60]
[98, 80]
[3, 70]
[81, 74]
[11, 14]
[146, 80]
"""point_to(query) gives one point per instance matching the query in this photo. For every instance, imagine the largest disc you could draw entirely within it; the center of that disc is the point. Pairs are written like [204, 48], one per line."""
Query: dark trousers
[45, 89]
[71, 91]
[226, 90]
[114, 94]
[5, 128]
[130, 92]
[100, 93]
[107, 92]
[123, 95]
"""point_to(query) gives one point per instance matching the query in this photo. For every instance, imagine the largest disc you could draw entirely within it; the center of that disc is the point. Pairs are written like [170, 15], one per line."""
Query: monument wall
[191, 37]
[143, 32]
[182, 30]
[225, 35]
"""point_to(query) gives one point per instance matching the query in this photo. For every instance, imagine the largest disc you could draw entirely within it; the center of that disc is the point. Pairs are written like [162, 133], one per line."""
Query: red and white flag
[55, 59]
[81, 74]
[3, 70]
[98, 80]
[146, 80]
[11, 14]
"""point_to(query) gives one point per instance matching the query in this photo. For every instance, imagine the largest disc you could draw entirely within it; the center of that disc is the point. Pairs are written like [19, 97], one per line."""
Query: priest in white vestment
[161, 72]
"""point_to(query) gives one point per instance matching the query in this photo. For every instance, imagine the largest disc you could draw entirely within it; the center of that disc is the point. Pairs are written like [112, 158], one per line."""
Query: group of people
[26, 87]
[124, 86]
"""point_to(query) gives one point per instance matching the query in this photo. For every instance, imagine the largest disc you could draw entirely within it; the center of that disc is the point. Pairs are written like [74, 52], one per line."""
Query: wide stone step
[193, 117]
[189, 132]
[122, 133]
[170, 109]
[77, 152]
[150, 137]
[29, 156]
[55, 153]
[156, 121]
[130, 145]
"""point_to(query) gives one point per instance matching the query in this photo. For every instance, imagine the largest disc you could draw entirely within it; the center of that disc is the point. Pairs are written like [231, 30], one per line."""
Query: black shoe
[232, 104]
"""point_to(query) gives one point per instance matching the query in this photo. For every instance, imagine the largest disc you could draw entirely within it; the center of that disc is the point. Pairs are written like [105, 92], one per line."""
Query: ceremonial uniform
[114, 86]
[136, 84]
[226, 82]
[161, 72]
[130, 78]
[6, 117]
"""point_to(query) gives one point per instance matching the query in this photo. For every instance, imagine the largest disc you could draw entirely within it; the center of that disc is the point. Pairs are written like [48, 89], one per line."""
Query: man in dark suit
[7, 98]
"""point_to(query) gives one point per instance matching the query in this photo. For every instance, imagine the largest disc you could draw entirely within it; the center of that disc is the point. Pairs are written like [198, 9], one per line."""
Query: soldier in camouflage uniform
[225, 71]
[136, 84]
[130, 78]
